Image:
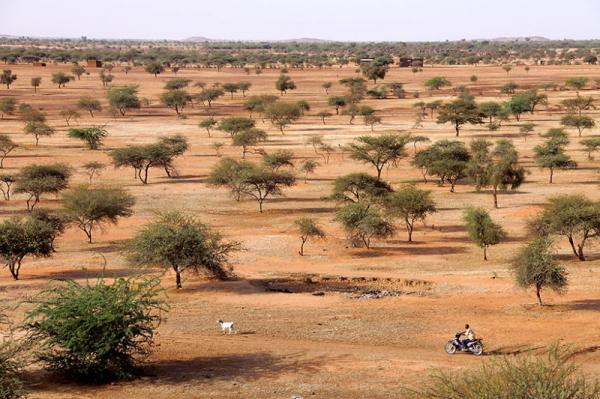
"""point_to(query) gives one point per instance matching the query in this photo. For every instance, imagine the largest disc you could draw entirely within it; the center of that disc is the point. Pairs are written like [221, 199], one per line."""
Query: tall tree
[28, 236]
[363, 223]
[410, 204]
[482, 230]
[89, 207]
[535, 265]
[459, 112]
[579, 122]
[573, 216]
[551, 154]
[284, 83]
[36, 180]
[379, 151]
[182, 243]
[308, 228]
[124, 98]
[7, 78]
[498, 169]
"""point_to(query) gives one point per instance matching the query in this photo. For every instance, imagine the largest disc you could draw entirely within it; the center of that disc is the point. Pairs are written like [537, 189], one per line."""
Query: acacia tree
[6, 182]
[177, 84]
[78, 70]
[308, 228]
[258, 103]
[182, 243]
[591, 145]
[235, 124]
[36, 180]
[359, 187]
[176, 99]
[323, 115]
[154, 68]
[36, 81]
[337, 102]
[577, 83]
[518, 105]
[578, 104]
[124, 98]
[93, 168]
[38, 129]
[21, 237]
[7, 78]
[535, 266]
[208, 124]
[249, 138]
[281, 114]
[8, 105]
[231, 88]
[326, 86]
[363, 223]
[7, 145]
[482, 230]
[230, 173]
[379, 150]
[68, 114]
[263, 183]
[446, 159]
[90, 105]
[459, 112]
[374, 70]
[573, 216]
[579, 122]
[437, 82]
[284, 83]
[410, 204]
[526, 128]
[209, 94]
[88, 207]
[244, 86]
[143, 157]
[551, 154]
[92, 136]
[498, 169]
[61, 79]
[308, 167]
[278, 159]
[250, 180]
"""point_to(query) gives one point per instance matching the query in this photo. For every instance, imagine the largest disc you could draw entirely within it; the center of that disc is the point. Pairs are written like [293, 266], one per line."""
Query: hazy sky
[360, 20]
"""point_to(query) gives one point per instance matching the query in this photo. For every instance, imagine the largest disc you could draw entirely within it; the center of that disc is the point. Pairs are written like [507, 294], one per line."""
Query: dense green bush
[551, 376]
[96, 332]
[11, 362]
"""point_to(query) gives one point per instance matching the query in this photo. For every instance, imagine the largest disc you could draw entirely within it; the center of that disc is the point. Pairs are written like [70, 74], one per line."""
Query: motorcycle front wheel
[450, 348]
[477, 349]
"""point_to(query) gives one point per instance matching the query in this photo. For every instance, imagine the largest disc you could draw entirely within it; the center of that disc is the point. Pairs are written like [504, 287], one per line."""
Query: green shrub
[551, 376]
[96, 332]
[11, 362]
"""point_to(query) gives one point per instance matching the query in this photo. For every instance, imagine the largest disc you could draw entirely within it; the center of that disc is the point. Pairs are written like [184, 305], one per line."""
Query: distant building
[93, 63]
[39, 64]
[407, 62]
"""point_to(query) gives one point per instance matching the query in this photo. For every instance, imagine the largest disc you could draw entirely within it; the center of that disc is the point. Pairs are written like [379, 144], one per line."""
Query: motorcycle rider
[469, 334]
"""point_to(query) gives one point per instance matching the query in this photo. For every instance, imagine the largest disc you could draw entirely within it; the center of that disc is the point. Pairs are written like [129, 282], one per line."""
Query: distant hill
[201, 39]
[519, 39]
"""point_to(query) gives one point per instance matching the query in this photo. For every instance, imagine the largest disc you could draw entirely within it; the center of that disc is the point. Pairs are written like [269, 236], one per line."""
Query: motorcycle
[454, 345]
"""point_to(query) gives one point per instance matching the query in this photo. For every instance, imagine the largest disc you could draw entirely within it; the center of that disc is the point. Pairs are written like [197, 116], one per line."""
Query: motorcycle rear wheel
[450, 348]
[477, 349]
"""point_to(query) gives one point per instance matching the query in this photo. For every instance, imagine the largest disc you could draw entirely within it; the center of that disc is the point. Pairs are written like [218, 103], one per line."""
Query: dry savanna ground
[322, 346]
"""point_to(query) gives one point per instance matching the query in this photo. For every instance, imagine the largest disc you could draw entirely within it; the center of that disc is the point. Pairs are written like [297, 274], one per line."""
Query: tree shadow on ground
[247, 367]
[513, 350]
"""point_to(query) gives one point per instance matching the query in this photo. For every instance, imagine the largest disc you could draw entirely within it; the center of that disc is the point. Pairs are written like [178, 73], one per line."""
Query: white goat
[226, 326]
